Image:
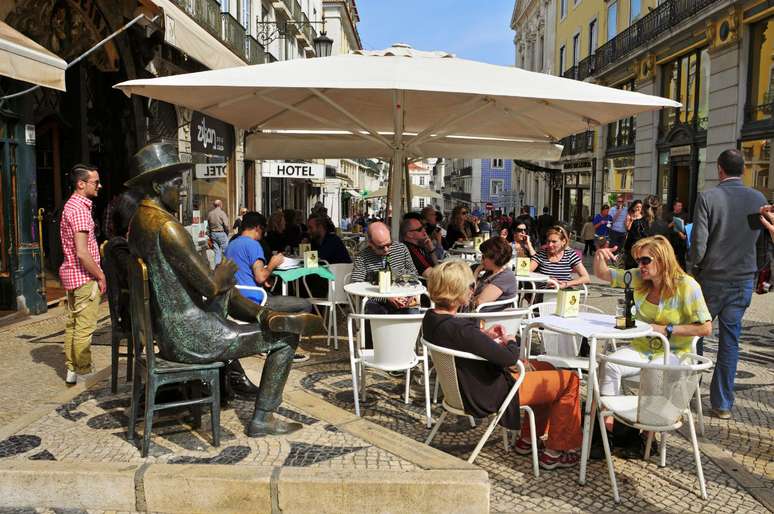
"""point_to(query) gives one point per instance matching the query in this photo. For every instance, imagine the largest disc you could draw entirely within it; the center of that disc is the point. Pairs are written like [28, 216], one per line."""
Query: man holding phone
[723, 253]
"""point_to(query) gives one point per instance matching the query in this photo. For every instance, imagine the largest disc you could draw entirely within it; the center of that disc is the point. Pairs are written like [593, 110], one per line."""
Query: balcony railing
[234, 35]
[659, 21]
[578, 143]
[205, 12]
[254, 52]
[571, 73]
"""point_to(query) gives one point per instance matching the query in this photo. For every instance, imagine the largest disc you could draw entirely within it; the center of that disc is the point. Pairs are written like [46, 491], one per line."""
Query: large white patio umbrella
[399, 102]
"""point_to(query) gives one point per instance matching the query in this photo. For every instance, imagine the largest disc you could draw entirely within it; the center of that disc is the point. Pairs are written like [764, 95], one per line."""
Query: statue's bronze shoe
[301, 323]
[270, 425]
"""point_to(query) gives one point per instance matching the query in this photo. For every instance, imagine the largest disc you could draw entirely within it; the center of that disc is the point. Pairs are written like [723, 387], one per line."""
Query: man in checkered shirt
[80, 273]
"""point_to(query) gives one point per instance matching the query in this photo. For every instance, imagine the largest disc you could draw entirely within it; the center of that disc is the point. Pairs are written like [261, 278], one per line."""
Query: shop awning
[182, 32]
[23, 59]
[416, 192]
[535, 167]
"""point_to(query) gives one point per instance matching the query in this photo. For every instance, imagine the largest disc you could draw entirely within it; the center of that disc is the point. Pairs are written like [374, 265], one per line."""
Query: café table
[594, 327]
[366, 290]
[292, 274]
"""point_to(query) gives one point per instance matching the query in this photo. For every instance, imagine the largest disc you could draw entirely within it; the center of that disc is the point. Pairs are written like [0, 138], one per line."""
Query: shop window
[686, 80]
[760, 93]
[757, 166]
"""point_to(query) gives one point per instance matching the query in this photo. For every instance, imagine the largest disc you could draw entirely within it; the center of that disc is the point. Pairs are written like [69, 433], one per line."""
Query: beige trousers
[82, 311]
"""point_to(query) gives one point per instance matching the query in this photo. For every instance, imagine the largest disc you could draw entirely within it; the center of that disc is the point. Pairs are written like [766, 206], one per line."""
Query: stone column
[726, 103]
[645, 158]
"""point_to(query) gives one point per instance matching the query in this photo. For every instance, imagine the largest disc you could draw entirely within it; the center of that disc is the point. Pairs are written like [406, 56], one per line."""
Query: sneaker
[71, 378]
[523, 447]
[300, 357]
[567, 459]
[721, 414]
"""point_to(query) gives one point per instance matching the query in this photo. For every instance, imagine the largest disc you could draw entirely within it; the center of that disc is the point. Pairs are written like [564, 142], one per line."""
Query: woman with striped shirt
[558, 261]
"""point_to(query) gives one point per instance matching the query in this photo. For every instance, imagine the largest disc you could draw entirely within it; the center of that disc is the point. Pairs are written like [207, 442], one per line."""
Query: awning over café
[185, 34]
[23, 59]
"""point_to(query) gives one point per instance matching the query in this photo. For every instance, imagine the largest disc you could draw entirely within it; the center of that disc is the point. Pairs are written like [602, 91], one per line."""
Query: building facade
[533, 23]
[91, 122]
[714, 57]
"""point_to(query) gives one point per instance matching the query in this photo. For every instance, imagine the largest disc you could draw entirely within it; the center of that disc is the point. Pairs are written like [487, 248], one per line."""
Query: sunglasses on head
[643, 260]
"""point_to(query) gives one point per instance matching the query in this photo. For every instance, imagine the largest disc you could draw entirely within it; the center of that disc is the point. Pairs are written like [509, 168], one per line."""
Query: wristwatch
[669, 329]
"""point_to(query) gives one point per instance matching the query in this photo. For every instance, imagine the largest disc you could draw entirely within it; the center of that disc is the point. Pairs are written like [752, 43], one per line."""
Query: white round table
[592, 326]
[368, 290]
[534, 276]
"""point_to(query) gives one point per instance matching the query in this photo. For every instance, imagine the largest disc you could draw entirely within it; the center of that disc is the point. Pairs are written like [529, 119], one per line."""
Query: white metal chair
[528, 291]
[507, 303]
[445, 361]
[395, 340]
[337, 297]
[661, 405]
[512, 321]
[560, 350]
[255, 288]
[634, 381]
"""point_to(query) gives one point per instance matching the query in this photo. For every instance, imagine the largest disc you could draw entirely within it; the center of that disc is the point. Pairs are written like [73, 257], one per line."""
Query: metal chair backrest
[139, 296]
[665, 390]
[444, 360]
[341, 272]
[498, 305]
[395, 338]
[510, 319]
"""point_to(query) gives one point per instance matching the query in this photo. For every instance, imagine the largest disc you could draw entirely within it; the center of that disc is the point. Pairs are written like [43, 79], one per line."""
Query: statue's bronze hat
[154, 160]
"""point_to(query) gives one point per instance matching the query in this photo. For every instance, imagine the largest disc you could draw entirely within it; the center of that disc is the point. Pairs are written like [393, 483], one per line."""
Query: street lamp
[521, 198]
[322, 44]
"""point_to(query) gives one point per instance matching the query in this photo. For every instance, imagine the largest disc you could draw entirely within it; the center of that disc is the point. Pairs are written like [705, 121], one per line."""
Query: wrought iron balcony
[205, 12]
[657, 22]
[234, 35]
[571, 73]
[578, 143]
[465, 172]
[254, 52]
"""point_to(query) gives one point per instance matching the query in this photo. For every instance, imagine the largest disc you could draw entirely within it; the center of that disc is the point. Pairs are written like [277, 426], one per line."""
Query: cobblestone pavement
[92, 427]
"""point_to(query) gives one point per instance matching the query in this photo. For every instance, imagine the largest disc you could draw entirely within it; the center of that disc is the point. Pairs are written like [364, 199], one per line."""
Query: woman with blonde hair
[553, 394]
[664, 296]
[558, 261]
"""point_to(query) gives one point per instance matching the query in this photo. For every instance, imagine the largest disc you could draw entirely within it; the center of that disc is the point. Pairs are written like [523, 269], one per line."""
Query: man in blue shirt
[253, 270]
[602, 222]
[617, 232]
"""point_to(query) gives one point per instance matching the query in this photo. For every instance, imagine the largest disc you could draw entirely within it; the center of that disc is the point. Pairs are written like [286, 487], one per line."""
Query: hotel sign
[294, 170]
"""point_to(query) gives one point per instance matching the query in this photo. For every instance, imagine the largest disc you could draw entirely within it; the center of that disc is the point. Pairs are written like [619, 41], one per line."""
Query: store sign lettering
[210, 171]
[294, 170]
[210, 136]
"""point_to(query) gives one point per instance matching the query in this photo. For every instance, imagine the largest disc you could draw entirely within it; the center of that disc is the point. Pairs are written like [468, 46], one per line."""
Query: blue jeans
[726, 301]
[219, 244]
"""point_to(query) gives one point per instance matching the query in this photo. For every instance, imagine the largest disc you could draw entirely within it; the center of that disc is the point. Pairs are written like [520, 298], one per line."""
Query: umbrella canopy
[416, 190]
[23, 59]
[401, 100]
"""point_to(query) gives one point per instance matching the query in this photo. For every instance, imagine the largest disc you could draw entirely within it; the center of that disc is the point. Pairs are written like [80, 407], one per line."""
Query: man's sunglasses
[643, 260]
[418, 229]
[520, 230]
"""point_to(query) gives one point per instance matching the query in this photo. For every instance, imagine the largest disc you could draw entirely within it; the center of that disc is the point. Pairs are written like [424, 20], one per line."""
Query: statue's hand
[224, 275]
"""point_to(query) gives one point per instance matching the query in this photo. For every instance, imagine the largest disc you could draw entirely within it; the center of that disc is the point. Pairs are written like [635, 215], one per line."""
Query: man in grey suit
[724, 258]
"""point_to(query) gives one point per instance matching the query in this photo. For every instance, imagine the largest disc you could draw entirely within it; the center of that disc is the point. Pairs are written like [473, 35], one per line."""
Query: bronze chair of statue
[154, 372]
[120, 330]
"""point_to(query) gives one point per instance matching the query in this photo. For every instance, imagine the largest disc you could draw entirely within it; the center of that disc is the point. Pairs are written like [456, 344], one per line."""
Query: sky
[471, 29]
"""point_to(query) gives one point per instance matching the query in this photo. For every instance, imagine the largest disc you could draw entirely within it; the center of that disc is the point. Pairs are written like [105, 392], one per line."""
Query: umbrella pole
[395, 190]
[407, 182]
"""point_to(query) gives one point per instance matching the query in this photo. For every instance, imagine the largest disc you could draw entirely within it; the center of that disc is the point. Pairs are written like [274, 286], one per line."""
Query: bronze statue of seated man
[190, 303]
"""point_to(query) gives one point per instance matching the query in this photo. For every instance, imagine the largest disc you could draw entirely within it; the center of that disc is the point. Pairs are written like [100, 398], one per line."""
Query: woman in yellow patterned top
[665, 296]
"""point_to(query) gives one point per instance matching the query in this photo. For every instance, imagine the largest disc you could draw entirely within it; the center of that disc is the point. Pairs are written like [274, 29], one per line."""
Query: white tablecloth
[368, 290]
[592, 324]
